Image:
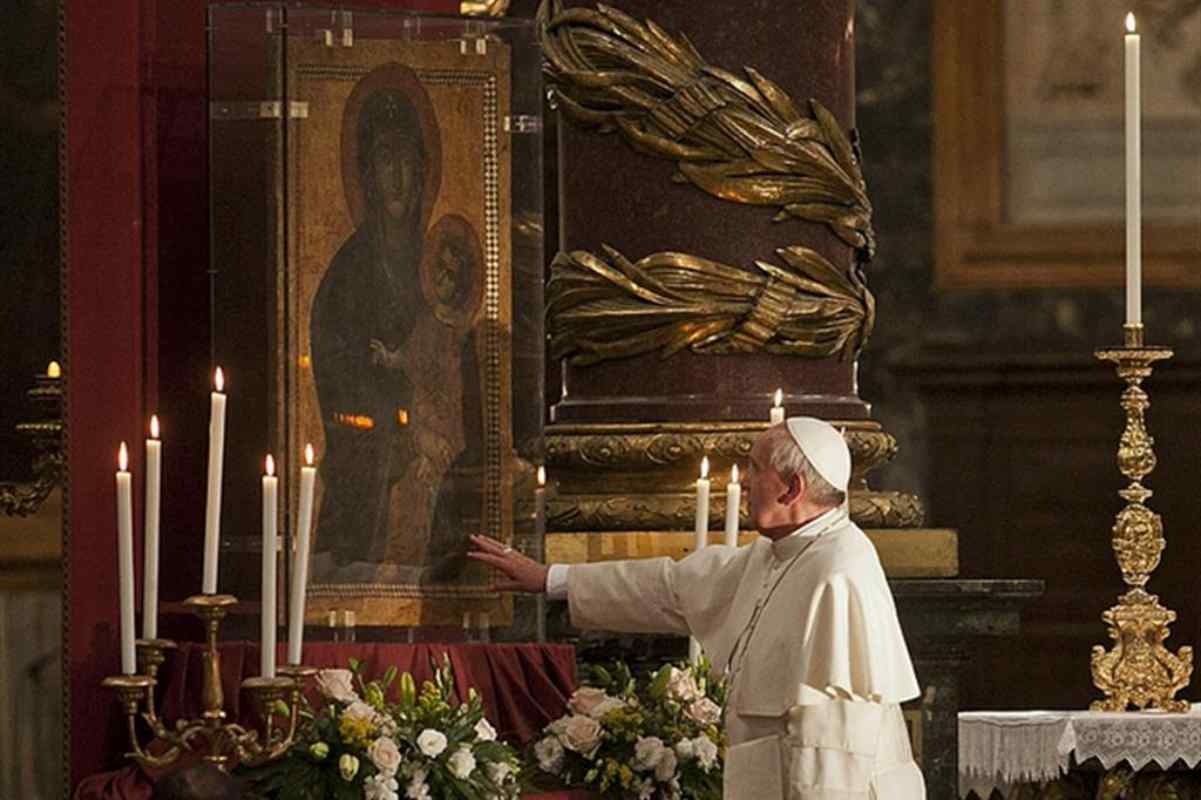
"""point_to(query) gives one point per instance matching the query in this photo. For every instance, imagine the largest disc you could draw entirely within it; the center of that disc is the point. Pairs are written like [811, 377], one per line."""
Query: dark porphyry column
[714, 227]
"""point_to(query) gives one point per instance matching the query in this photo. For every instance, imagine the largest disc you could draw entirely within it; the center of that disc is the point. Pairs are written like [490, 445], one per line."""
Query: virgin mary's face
[395, 174]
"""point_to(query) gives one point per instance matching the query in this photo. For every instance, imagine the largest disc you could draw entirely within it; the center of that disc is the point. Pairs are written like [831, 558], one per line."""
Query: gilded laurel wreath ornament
[1138, 671]
[602, 308]
[738, 138]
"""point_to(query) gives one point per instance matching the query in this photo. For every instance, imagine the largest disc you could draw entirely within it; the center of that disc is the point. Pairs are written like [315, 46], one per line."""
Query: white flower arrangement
[364, 745]
[658, 739]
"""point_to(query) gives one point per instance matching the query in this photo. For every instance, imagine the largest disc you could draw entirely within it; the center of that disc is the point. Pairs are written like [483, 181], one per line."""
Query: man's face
[766, 490]
[394, 173]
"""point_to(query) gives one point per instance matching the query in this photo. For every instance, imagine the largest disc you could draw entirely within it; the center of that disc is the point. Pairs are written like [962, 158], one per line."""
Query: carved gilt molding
[642, 447]
[677, 511]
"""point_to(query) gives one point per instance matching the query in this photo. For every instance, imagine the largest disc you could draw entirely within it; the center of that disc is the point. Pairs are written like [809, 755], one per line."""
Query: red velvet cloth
[523, 686]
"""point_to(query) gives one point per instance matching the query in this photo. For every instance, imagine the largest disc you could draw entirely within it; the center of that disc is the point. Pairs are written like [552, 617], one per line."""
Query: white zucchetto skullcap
[824, 447]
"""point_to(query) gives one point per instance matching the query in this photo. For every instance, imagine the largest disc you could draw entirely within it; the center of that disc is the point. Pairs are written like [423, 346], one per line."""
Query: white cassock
[806, 631]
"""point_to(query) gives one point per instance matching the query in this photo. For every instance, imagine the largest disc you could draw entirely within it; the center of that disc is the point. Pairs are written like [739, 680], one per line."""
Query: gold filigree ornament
[1139, 671]
[739, 138]
[602, 308]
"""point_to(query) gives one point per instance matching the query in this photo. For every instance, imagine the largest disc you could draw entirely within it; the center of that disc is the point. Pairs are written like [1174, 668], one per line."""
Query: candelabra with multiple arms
[218, 741]
[1139, 670]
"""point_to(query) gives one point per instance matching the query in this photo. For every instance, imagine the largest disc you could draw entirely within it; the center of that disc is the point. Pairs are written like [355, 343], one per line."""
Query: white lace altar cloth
[1000, 748]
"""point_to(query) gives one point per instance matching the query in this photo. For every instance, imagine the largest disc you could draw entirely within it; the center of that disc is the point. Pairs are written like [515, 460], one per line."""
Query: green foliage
[655, 736]
[413, 740]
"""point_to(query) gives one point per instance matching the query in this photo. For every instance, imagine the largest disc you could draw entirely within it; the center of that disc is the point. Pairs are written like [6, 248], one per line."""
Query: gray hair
[787, 459]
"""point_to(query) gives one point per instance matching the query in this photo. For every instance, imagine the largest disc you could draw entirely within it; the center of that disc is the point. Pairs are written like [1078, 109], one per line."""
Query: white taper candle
[125, 561]
[777, 410]
[300, 559]
[154, 474]
[270, 509]
[212, 507]
[1134, 180]
[702, 533]
[733, 500]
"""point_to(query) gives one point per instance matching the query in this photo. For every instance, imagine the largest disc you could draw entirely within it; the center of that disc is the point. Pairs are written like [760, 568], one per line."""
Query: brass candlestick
[218, 740]
[151, 653]
[1139, 671]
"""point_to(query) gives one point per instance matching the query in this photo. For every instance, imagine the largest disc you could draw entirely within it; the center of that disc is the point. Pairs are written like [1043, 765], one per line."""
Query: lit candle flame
[779, 397]
[308, 454]
[154, 426]
[270, 466]
[219, 380]
[541, 477]
[734, 474]
[1130, 22]
[123, 457]
[53, 370]
[705, 467]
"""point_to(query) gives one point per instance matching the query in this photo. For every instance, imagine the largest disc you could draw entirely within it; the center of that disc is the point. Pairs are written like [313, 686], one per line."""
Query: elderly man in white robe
[801, 622]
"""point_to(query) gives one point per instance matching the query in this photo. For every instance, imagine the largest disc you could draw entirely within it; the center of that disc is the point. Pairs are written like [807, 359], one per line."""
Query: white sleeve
[556, 582]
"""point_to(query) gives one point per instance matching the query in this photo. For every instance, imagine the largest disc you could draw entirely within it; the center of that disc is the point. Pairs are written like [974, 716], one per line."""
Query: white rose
[681, 686]
[646, 789]
[558, 726]
[431, 742]
[583, 735]
[499, 772]
[348, 765]
[706, 752]
[337, 684]
[704, 711]
[417, 788]
[605, 706]
[665, 770]
[549, 753]
[384, 753]
[484, 731]
[684, 749]
[647, 752]
[461, 762]
[585, 698]
[359, 710]
[380, 787]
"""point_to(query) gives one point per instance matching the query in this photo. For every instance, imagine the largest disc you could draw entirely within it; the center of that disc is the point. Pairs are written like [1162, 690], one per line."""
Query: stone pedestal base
[913, 553]
[641, 477]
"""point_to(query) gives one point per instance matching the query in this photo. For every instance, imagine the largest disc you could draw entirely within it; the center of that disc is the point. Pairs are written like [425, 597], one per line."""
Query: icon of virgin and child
[394, 355]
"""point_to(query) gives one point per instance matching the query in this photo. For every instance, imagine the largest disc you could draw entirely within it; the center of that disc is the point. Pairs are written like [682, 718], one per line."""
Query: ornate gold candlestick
[1139, 670]
[218, 740]
[151, 653]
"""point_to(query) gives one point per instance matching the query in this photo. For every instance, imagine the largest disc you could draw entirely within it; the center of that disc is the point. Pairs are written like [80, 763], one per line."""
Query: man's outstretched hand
[522, 574]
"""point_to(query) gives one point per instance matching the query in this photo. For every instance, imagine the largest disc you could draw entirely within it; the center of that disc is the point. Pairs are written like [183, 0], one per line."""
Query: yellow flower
[356, 731]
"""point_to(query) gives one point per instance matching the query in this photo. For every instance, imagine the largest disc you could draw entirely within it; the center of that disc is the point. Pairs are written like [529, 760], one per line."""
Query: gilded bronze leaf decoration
[609, 307]
[739, 138]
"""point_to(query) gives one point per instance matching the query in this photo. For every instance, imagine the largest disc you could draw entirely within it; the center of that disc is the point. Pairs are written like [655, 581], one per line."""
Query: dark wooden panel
[1022, 462]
